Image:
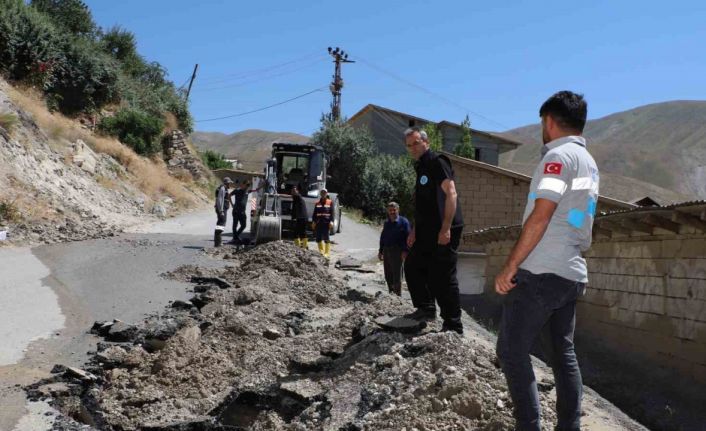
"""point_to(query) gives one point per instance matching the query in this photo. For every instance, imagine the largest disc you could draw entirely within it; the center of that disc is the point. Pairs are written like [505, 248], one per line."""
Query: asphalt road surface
[51, 295]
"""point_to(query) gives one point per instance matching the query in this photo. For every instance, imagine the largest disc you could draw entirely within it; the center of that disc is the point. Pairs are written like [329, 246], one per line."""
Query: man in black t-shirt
[240, 196]
[430, 268]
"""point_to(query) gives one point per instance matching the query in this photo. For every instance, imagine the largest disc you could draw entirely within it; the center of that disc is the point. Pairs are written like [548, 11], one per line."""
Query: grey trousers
[392, 262]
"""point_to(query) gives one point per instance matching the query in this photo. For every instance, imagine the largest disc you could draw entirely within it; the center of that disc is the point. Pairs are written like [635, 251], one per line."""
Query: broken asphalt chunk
[218, 281]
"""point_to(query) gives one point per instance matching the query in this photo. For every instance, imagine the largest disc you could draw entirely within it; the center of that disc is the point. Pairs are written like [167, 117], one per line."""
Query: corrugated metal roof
[624, 222]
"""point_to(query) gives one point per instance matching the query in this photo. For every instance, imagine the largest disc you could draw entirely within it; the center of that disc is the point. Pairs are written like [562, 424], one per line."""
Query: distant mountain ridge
[251, 147]
[661, 145]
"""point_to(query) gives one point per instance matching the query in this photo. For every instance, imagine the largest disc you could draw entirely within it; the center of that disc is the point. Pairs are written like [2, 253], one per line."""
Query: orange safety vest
[322, 211]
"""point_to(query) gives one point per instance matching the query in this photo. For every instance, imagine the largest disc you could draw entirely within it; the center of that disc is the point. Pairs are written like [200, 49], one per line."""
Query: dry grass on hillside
[150, 176]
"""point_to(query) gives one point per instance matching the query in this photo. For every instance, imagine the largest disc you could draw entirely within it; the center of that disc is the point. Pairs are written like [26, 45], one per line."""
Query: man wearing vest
[221, 206]
[322, 221]
[545, 272]
[430, 268]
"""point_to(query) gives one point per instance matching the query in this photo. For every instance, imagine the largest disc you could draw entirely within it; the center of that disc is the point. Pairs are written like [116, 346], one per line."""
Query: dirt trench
[278, 341]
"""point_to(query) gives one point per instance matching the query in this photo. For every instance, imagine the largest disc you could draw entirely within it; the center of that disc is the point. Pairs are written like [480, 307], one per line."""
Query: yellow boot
[327, 250]
[321, 247]
[305, 243]
[297, 242]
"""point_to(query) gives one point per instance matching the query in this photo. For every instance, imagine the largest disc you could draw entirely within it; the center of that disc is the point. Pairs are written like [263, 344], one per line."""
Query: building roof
[633, 222]
[525, 178]
[370, 107]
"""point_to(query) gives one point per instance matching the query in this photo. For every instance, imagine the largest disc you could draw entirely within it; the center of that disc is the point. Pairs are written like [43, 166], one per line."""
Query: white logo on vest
[423, 180]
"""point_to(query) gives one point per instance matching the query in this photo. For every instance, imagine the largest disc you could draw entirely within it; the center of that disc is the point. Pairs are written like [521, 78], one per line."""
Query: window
[476, 154]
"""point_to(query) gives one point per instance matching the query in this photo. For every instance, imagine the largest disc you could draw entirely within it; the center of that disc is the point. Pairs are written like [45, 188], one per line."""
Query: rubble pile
[276, 341]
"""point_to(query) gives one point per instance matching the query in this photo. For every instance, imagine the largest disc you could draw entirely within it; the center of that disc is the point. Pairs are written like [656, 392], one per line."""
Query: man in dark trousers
[393, 247]
[545, 272]
[322, 221]
[300, 217]
[430, 268]
[221, 206]
[240, 196]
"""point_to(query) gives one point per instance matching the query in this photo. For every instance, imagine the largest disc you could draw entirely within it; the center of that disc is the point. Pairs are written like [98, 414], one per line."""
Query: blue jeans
[541, 302]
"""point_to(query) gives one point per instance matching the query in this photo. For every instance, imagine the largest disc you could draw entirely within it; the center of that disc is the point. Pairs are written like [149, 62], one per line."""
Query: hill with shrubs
[83, 119]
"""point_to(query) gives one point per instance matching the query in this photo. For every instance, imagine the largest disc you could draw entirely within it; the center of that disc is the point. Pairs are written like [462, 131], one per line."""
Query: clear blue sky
[498, 60]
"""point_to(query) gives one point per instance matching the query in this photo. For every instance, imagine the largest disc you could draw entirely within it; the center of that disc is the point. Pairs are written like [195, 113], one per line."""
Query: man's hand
[380, 256]
[404, 255]
[313, 225]
[411, 238]
[504, 281]
[444, 236]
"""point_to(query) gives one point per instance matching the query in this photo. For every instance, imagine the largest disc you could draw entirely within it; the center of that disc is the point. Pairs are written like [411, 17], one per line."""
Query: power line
[437, 95]
[263, 108]
[262, 78]
[245, 74]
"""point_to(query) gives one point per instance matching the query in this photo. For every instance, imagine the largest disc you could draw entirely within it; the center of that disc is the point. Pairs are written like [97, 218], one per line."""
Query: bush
[215, 160]
[71, 15]
[137, 129]
[28, 43]
[85, 78]
[8, 212]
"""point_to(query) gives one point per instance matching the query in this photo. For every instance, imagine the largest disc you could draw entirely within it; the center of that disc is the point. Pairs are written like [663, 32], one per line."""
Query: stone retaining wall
[180, 158]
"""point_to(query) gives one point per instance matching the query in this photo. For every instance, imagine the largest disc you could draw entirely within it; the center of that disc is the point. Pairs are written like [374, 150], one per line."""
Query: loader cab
[301, 165]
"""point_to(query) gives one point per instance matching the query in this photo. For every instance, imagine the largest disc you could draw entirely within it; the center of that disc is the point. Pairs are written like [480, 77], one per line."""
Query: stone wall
[180, 158]
[646, 297]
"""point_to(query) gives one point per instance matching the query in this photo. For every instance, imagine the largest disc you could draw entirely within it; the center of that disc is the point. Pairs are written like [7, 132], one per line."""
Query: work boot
[321, 247]
[305, 243]
[327, 250]
[297, 242]
[217, 238]
[422, 315]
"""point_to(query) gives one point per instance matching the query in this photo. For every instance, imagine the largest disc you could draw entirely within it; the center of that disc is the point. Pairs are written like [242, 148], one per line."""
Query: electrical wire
[245, 74]
[261, 78]
[438, 96]
[263, 108]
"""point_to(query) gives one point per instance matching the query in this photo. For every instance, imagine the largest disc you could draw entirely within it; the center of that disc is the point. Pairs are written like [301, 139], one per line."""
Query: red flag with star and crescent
[552, 168]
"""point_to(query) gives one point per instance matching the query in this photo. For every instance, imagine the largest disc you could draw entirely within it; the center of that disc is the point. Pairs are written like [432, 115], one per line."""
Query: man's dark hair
[568, 109]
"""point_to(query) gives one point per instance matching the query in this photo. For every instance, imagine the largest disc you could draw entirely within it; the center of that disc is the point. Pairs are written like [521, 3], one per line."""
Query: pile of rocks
[275, 341]
[179, 157]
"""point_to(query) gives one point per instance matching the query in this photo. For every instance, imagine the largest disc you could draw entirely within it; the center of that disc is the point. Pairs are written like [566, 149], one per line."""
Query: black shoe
[456, 329]
[422, 315]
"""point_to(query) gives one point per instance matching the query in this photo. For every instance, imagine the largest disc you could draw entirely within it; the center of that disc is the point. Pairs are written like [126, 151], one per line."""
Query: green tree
[215, 160]
[348, 150]
[387, 178]
[72, 15]
[436, 141]
[465, 147]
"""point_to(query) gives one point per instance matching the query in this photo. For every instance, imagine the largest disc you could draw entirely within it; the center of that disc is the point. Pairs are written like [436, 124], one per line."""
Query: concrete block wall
[646, 297]
[488, 198]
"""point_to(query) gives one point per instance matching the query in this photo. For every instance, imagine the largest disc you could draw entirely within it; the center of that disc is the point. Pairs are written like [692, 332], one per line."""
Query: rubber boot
[321, 247]
[297, 242]
[327, 250]
[217, 238]
[305, 243]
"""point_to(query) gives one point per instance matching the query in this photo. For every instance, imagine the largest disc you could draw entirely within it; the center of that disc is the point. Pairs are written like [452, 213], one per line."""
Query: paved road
[51, 295]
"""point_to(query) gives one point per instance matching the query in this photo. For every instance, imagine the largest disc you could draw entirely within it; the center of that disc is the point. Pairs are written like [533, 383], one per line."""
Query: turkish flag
[552, 168]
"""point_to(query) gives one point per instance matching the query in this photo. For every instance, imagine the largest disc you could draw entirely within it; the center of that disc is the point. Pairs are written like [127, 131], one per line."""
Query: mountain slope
[663, 144]
[251, 147]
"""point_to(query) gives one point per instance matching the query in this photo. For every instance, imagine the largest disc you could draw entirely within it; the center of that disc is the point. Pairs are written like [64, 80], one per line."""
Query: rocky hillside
[251, 147]
[60, 182]
[662, 144]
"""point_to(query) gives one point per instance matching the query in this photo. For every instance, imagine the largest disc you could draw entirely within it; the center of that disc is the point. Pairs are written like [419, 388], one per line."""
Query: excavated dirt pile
[277, 341]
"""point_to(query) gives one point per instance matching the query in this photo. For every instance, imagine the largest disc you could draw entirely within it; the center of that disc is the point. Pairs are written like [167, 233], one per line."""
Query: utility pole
[193, 76]
[339, 56]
